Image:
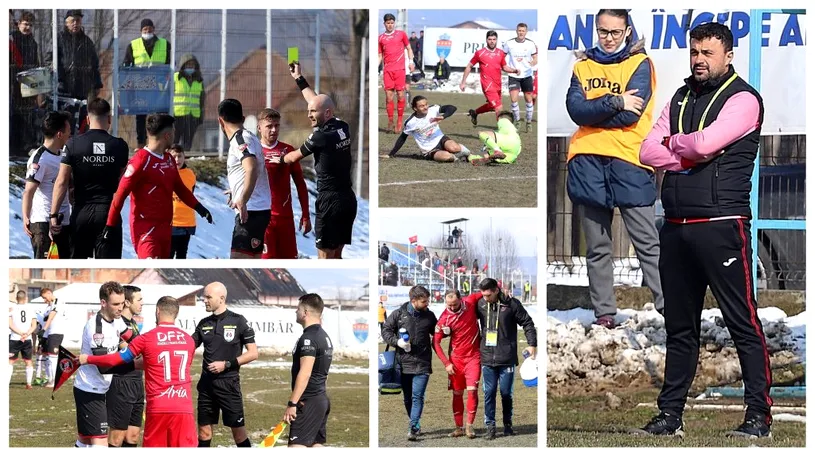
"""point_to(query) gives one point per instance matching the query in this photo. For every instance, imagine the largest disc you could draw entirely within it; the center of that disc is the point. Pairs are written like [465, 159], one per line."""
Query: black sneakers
[490, 432]
[663, 424]
[754, 426]
[473, 117]
[508, 431]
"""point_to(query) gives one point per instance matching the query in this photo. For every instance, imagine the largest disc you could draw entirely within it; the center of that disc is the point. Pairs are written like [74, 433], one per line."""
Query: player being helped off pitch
[459, 322]
[423, 125]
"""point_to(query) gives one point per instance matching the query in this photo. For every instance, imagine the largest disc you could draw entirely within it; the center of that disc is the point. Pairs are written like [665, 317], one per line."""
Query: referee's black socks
[245, 443]
[204, 443]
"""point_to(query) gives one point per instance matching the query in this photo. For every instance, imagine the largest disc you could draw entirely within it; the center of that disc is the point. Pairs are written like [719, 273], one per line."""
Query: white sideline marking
[406, 183]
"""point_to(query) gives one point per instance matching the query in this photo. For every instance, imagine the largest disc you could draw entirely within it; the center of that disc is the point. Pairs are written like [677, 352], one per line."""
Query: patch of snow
[210, 241]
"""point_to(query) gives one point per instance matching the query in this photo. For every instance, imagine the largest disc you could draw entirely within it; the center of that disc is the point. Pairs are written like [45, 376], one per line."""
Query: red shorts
[468, 373]
[280, 240]
[152, 239]
[494, 99]
[170, 430]
[394, 80]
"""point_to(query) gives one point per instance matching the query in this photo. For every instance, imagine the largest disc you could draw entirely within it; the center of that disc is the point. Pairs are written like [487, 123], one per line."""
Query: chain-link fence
[781, 192]
[243, 55]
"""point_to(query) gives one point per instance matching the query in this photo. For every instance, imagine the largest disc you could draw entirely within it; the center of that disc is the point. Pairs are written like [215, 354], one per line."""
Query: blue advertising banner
[144, 90]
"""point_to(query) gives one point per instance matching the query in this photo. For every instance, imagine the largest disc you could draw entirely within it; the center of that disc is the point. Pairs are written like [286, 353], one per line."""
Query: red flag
[486, 266]
[413, 239]
[66, 366]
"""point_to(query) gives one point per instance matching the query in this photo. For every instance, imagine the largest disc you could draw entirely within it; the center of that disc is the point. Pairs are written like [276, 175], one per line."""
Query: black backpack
[390, 377]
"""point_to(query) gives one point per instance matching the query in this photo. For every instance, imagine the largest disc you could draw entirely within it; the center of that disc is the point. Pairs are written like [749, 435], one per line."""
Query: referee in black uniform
[224, 335]
[92, 163]
[330, 143]
[309, 406]
[712, 134]
[125, 397]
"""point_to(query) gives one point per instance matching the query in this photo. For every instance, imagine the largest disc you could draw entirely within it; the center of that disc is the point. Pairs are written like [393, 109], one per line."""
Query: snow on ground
[472, 86]
[210, 241]
[579, 350]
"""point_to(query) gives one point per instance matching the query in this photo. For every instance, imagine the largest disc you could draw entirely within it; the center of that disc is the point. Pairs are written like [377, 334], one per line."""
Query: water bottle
[526, 354]
[403, 333]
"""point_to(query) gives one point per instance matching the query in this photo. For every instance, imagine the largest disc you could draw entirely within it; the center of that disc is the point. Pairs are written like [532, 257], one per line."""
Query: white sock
[39, 365]
[516, 111]
[29, 374]
[464, 151]
[51, 368]
[530, 108]
[79, 444]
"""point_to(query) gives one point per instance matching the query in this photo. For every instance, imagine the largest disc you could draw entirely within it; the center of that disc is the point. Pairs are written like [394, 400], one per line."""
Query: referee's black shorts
[125, 402]
[91, 414]
[216, 395]
[526, 84]
[309, 426]
[88, 222]
[336, 212]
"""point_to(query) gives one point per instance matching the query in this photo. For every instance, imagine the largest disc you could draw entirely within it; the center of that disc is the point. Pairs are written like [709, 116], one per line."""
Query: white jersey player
[522, 54]
[54, 323]
[22, 321]
[423, 125]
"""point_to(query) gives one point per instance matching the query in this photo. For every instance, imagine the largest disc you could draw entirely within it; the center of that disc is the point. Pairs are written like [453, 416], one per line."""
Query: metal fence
[781, 193]
[242, 54]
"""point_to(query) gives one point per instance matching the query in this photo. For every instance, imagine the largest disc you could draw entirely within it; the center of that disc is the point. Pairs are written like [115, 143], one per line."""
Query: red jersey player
[392, 46]
[459, 321]
[150, 180]
[167, 353]
[280, 241]
[491, 60]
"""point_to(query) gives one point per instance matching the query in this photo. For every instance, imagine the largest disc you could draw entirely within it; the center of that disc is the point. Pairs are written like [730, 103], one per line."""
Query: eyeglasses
[616, 34]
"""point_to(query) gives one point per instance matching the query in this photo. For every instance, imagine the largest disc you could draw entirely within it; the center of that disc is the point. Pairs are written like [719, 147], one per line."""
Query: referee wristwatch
[291, 404]
[227, 365]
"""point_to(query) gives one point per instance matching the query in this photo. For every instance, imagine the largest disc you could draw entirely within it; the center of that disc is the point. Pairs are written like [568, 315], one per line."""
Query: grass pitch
[37, 421]
[408, 180]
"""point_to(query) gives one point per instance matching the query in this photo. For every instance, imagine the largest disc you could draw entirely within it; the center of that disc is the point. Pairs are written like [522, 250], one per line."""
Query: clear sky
[524, 230]
[326, 281]
[420, 18]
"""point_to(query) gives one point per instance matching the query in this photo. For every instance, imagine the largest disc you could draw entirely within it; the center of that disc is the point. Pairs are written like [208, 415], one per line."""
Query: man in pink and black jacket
[707, 140]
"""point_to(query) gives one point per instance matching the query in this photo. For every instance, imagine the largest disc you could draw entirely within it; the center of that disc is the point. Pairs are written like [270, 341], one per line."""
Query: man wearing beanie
[145, 51]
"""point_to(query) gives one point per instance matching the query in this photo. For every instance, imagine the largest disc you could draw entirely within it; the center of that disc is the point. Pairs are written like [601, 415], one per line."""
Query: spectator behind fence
[441, 73]
[604, 169]
[23, 129]
[142, 52]
[384, 252]
[418, 54]
[77, 62]
[188, 102]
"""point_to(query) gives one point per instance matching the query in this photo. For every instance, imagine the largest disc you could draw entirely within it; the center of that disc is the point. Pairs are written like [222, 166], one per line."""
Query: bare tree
[500, 251]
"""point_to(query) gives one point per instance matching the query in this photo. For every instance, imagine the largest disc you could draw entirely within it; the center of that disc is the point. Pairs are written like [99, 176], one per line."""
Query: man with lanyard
[331, 145]
[101, 336]
[500, 315]
[92, 163]
[249, 193]
[309, 406]
[706, 139]
[459, 322]
[144, 51]
[224, 334]
[125, 397]
[41, 173]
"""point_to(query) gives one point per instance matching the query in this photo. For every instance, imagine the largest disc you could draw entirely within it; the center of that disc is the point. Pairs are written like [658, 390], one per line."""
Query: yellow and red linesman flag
[272, 438]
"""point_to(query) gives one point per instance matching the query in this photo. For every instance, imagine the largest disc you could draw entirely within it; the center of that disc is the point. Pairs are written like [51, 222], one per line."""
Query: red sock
[472, 405]
[483, 108]
[389, 108]
[458, 409]
[400, 108]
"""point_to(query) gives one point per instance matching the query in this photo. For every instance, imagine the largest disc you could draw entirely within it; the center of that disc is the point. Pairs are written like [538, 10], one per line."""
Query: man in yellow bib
[610, 99]
[145, 51]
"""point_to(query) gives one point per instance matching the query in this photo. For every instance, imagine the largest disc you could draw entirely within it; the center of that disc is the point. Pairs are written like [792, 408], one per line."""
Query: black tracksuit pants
[716, 254]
